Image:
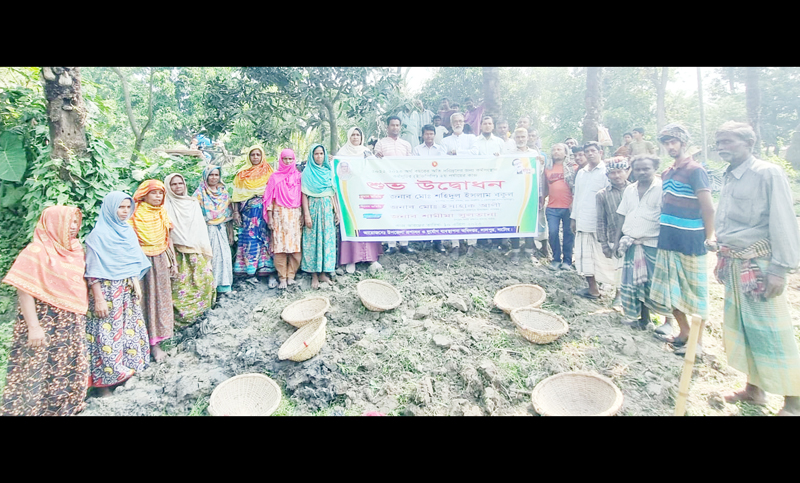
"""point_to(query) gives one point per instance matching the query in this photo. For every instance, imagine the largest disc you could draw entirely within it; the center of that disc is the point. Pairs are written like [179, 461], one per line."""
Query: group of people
[650, 239]
[159, 258]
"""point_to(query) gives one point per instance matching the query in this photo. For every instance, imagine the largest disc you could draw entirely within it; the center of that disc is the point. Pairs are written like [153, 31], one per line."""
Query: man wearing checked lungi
[680, 275]
[758, 243]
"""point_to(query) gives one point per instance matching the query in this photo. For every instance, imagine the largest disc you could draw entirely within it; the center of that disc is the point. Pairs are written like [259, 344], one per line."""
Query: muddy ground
[445, 351]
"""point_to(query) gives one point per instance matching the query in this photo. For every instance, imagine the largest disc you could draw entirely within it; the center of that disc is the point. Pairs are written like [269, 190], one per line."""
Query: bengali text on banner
[436, 198]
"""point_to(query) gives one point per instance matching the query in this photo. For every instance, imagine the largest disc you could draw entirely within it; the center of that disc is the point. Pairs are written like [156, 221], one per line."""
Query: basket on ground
[245, 395]
[309, 309]
[577, 394]
[521, 295]
[305, 343]
[377, 295]
[537, 325]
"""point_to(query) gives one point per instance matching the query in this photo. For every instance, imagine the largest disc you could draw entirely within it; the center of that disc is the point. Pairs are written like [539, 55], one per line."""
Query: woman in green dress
[193, 290]
[320, 217]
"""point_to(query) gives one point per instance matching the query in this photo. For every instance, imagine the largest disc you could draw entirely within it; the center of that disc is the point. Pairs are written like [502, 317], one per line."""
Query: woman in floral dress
[193, 289]
[117, 336]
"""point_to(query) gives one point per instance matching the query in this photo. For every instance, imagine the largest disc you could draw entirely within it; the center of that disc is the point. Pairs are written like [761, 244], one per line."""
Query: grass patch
[285, 408]
[6, 331]
[200, 407]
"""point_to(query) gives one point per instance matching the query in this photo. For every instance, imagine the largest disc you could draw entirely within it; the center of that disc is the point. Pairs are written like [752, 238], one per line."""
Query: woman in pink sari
[282, 211]
[352, 252]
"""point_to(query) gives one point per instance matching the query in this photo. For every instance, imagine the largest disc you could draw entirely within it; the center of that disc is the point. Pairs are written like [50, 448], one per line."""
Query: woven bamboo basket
[577, 394]
[537, 325]
[309, 309]
[521, 295]
[245, 395]
[377, 295]
[305, 343]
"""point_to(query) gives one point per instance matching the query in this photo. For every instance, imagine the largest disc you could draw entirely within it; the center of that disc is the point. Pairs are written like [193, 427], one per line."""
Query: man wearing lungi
[759, 242]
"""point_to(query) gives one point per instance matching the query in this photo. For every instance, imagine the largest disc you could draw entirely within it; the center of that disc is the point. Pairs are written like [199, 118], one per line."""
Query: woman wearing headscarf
[48, 370]
[352, 252]
[117, 335]
[253, 250]
[193, 290]
[152, 225]
[282, 199]
[215, 204]
[320, 217]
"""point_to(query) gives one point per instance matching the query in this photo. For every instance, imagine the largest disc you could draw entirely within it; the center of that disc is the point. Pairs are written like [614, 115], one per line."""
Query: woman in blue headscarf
[117, 335]
[320, 217]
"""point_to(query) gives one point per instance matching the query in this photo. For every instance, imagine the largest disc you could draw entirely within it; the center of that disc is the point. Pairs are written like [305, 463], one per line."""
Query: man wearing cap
[759, 242]
[680, 276]
[608, 221]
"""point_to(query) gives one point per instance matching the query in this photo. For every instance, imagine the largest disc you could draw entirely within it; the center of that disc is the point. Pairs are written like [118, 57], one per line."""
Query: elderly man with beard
[680, 277]
[759, 242]
[640, 209]
[455, 144]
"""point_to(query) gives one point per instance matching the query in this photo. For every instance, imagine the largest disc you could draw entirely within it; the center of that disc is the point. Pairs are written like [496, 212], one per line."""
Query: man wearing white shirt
[428, 147]
[488, 143]
[441, 131]
[458, 142]
[589, 258]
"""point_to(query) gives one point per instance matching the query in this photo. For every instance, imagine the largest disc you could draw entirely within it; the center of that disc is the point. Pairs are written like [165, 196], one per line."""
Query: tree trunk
[66, 113]
[661, 111]
[753, 99]
[334, 146]
[593, 104]
[702, 116]
[793, 151]
[138, 135]
[491, 93]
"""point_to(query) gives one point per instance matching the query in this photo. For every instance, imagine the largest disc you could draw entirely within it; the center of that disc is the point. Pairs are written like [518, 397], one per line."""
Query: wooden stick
[688, 364]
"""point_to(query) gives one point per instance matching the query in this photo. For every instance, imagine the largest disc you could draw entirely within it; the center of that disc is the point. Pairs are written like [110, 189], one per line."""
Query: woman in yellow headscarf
[152, 225]
[253, 255]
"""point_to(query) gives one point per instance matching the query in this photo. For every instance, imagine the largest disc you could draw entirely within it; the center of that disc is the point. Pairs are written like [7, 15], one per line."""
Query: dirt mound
[445, 351]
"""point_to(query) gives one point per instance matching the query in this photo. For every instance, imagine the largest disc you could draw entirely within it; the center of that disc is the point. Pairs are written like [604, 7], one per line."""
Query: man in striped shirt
[680, 277]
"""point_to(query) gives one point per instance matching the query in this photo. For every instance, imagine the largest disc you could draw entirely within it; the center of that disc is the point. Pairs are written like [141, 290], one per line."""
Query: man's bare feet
[158, 353]
[282, 284]
[291, 281]
[103, 391]
[314, 281]
[751, 394]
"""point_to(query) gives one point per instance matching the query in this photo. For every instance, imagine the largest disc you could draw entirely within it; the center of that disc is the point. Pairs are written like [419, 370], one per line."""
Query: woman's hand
[36, 337]
[100, 308]
[309, 224]
[237, 218]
